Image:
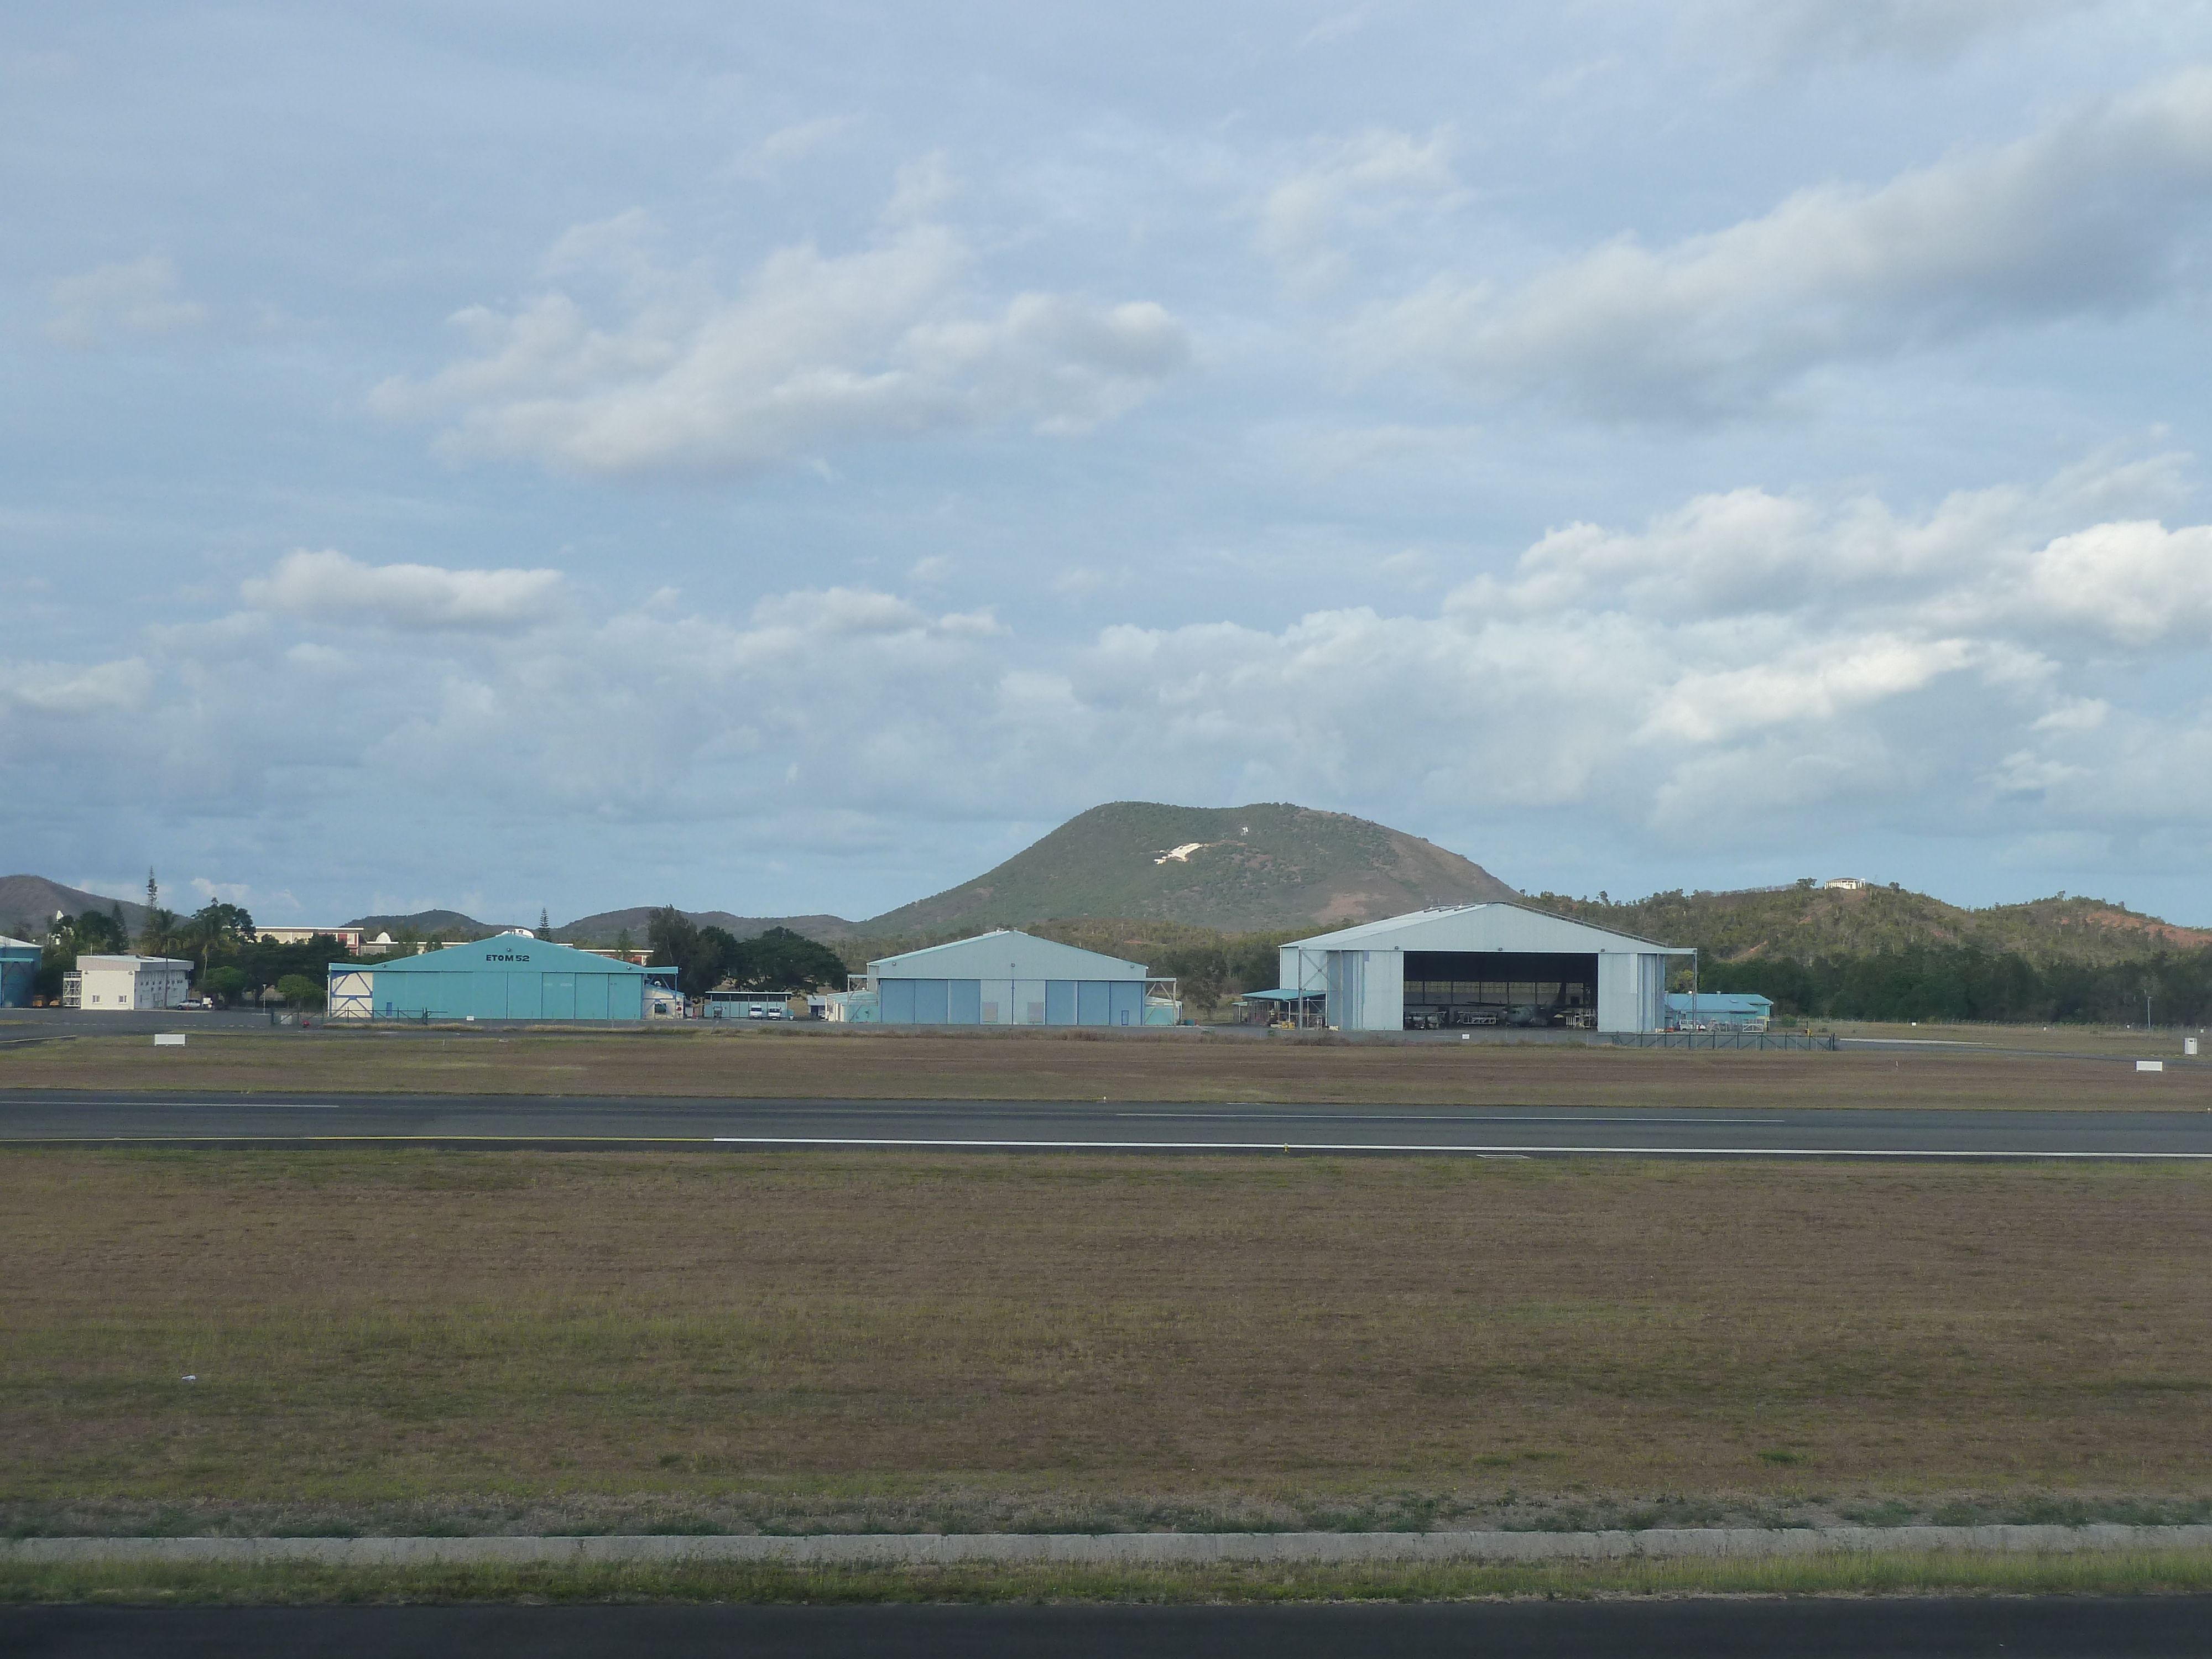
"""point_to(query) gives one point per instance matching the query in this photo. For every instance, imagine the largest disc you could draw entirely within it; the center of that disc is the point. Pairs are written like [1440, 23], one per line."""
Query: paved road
[2084, 1627]
[184, 1117]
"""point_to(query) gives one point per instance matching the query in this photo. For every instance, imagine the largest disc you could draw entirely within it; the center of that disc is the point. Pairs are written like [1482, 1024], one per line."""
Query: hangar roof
[1004, 954]
[513, 952]
[1497, 926]
[1720, 1002]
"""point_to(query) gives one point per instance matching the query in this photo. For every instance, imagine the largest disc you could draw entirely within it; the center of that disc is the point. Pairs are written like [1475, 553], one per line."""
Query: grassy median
[410, 1340]
[872, 1063]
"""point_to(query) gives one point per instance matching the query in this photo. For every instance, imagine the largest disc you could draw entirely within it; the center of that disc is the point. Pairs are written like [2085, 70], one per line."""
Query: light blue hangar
[512, 976]
[19, 972]
[1007, 978]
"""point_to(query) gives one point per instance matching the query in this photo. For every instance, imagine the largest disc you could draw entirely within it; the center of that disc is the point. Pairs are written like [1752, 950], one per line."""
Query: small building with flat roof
[1734, 1011]
[123, 984]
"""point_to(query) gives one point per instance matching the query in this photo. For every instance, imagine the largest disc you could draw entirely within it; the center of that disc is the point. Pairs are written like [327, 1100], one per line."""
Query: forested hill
[1806, 924]
[27, 904]
[1240, 869]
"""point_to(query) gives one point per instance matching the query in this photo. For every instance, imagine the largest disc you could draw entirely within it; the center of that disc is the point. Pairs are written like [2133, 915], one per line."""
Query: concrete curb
[1103, 1550]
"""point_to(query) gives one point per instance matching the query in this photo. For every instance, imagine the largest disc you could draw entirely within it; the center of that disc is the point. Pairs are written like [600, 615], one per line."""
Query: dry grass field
[556, 1339]
[875, 1064]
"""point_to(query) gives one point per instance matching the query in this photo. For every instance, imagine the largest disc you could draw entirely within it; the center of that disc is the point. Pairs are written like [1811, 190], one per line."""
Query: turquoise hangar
[512, 976]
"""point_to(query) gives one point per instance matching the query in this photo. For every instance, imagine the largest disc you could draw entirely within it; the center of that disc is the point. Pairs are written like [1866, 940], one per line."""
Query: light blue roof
[1004, 954]
[511, 951]
[1721, 1002]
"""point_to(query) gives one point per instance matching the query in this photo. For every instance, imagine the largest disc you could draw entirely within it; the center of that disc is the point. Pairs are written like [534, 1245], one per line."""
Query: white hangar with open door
[1482, 964]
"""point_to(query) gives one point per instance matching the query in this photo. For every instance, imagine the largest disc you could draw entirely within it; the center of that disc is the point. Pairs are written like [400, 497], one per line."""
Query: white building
[1482, 964]
[119, 984]
[348, 937]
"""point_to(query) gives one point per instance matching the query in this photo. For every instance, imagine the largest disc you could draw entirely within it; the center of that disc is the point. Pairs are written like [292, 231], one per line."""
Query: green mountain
[27, 904]
[606, 925]
[1807, 922]
[1240, 869]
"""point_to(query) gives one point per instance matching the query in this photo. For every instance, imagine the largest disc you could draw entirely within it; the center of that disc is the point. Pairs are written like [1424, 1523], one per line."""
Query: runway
[65, 1116]
[1648, 1628]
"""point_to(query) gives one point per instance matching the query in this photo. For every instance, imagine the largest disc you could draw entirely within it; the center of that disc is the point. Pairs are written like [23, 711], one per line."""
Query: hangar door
[961, 1001]
[1444, 988]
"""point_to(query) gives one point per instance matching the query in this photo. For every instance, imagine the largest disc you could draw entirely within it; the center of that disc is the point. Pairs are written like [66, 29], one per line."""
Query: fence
[1717, 1039]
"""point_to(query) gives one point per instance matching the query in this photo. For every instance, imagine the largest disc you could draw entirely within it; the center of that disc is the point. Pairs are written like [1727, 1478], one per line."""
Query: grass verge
[2117, 1573]
[831, 1342]
[871, 1063]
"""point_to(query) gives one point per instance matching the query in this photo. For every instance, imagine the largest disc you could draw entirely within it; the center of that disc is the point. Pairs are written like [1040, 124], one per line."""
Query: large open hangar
[1008, 978]
[1482, 964]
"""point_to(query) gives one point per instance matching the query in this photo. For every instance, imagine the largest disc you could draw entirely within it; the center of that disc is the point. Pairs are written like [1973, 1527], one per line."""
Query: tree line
[708, 957]
[230, 959]
[1941, 983]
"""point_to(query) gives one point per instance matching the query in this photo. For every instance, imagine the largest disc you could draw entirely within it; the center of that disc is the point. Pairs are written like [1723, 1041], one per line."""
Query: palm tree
[214, 927]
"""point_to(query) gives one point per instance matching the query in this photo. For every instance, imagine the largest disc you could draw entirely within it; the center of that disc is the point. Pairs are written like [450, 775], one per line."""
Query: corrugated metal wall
[520, 993]
[1033, 1002]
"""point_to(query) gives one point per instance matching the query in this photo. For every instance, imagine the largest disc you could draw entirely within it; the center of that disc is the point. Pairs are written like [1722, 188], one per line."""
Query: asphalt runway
[1931, 1627]
[195, 1118]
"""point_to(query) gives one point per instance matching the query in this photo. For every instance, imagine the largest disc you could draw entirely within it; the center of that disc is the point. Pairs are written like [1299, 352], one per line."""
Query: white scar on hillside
[1182, 854]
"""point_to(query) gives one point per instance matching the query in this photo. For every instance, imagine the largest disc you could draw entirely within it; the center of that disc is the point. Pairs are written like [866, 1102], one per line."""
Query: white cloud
[813, 350]
[1810, 684]
[328, 587]
[136, 296]
[2135, 583]
[1370, 175]
[923, 186]
[788, 145]
[83, 690]
[2087, 217]
[1745, 670]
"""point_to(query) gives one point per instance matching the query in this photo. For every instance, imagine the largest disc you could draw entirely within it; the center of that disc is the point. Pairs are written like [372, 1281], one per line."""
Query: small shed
[1740, 1011]
[512, 976]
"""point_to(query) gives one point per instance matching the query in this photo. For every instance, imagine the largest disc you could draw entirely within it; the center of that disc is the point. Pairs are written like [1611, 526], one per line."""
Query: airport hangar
[1470, 964]
[510, 976]
[1007, 978]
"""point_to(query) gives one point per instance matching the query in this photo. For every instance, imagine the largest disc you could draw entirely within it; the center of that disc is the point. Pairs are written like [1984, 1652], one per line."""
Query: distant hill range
[1805, 923]
[430, 924]
[1275, 868]
[609, 925]
[28, 903]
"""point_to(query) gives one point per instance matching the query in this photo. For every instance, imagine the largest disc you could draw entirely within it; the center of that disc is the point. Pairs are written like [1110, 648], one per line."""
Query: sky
[785, 459]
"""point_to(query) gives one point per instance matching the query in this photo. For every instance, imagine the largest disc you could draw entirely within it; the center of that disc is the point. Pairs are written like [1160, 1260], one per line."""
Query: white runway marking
[1560, 1116]
[1384, 1146]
